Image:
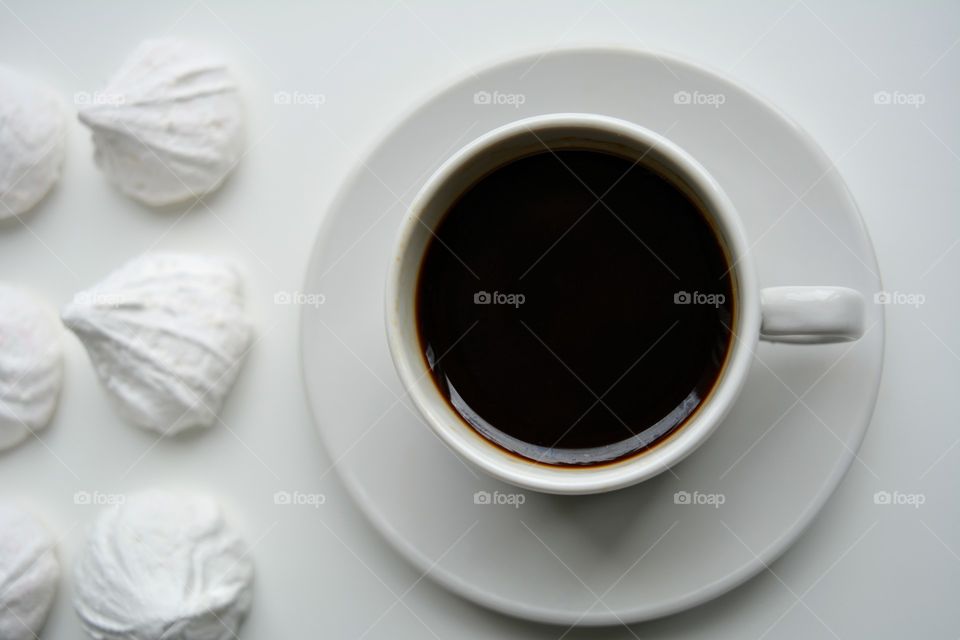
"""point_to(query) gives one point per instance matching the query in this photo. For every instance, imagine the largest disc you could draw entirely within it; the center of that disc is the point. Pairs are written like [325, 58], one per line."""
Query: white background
[862, 570]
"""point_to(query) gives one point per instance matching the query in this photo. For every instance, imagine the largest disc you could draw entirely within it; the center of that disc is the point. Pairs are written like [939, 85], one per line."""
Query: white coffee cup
[797, 314]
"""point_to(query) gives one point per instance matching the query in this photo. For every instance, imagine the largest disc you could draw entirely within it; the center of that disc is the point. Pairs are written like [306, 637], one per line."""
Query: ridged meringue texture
[31, 365]
[168, 126]
[166, 334]
[163, 566]
[29, 574]
[32, 135]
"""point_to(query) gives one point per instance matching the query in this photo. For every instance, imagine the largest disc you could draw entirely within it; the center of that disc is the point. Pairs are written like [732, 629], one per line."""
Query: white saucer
[634, 554]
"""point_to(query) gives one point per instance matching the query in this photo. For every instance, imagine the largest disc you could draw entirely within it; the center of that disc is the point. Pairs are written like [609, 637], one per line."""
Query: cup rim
[491, 458]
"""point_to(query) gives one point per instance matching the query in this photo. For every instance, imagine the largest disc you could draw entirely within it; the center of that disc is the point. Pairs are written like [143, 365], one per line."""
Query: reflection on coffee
[574, 306]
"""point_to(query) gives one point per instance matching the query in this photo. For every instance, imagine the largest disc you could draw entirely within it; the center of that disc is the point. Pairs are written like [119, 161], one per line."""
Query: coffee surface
[574, 306]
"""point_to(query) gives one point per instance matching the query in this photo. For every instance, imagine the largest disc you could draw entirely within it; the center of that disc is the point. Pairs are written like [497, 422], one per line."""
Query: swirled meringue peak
[168, 126]
[29, 574]
[32, 134]
[165, 566]
[31, 365]
[166, 334]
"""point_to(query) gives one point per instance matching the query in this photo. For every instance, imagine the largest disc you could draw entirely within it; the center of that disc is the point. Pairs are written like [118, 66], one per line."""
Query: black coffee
[569, 328]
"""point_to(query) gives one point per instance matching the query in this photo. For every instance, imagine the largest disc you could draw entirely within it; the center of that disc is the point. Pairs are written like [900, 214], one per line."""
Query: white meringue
[169, 126]
[31, 365]
[29, 574]
[163, 566]
[32, 134]
[167, 335]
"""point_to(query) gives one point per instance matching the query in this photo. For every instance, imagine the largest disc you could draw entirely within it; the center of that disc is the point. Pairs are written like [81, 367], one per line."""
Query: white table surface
[862, 569]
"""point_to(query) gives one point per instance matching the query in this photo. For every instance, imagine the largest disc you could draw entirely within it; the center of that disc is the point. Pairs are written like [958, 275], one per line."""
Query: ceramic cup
[796, 314]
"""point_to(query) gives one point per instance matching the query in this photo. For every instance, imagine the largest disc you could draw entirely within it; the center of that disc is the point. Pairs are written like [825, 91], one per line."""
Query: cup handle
[811, 315]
